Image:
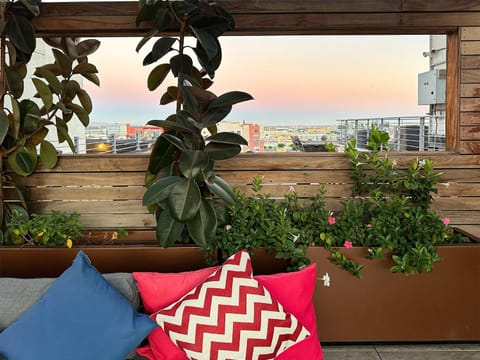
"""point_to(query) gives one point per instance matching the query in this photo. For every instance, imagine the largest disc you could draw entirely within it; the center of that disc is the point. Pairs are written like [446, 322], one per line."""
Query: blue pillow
[81, 316]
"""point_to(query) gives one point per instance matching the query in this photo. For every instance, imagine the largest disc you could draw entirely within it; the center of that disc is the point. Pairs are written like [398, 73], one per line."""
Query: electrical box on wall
[431, 87]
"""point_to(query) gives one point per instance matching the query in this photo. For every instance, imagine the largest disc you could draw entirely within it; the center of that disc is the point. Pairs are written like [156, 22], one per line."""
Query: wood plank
[440, 5]
[471, 175]
[470, 104]
[470, 118]
[86, 179]
[126, 221]
[303, 191]
[452, 92]
[470, 33]
[470, 76]
[91, 207]
[454, 203]
[99, 163]
[471, 62]
[472, 231]
[458, 189]
[470, 147]
[461, 217]
[470, 48]
[82, 193]
[470, 133]
[470, 90]
[107, 237]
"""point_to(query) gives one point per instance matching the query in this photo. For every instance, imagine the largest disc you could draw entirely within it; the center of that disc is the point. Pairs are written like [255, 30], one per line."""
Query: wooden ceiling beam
[275, 17]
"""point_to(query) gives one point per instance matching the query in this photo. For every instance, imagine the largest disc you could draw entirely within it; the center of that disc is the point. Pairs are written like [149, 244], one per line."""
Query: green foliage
[182, 187]
[389, 211]
[258, 221]
[55, 229]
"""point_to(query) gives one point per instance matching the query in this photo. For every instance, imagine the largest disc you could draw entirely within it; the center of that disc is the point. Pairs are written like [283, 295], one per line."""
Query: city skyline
[302, 80]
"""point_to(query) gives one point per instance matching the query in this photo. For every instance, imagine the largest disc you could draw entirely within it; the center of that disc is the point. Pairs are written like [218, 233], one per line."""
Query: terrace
[107, 190]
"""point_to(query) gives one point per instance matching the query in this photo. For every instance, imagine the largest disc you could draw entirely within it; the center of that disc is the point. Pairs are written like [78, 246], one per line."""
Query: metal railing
[407, 133]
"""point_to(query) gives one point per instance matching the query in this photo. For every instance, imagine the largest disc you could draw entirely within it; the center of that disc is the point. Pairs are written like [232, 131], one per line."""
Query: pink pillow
[294, 290]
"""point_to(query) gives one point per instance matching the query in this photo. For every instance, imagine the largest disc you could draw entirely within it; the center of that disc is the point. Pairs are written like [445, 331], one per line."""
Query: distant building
[253, 133]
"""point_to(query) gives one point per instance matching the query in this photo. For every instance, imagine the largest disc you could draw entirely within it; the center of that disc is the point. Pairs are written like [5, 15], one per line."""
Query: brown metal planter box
[443, 305]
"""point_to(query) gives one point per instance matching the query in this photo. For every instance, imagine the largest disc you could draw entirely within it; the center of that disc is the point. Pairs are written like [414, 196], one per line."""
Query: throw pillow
[18, 295]
[230, 316]
[294, 290]
[81, 316]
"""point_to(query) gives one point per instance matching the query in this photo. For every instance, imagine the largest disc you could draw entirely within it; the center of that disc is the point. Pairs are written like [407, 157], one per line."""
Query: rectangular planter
[443, 305]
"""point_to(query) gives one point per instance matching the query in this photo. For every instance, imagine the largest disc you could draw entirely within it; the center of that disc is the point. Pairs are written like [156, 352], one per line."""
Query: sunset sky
[303, 80]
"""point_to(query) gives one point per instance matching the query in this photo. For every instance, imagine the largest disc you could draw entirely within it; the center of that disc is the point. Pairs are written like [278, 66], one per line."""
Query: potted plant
[183, 190]
[24, 124]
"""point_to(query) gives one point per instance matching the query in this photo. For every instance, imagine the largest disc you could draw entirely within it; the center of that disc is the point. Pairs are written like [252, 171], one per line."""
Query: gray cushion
[17, 295]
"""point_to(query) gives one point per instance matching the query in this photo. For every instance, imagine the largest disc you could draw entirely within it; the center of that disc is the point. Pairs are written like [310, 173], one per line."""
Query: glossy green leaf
[70, 48]
[183, 8]
[184, 200]
[167, 125]
[31, 6]
[175, 141]
[63, 62]
[145, 13]
[92, 78]
[80, 112]
[218, 151]
[167, 98]
[85, 68]
[210, 65]
[228, 138]
[12, 52]
[44, 92]
[208, 42]
[21, 33]
[161, 155]
[181, 64]
[203, 225]
[85, 100]
[4, 125]
[52, 80]
[30, 115]
[159, 190]
[161, 47]
[157, 75]
[214, 24]
[38, 137]
[214, 116]
[190, 104]
[229, 99]
[14, 81]
[146, 38]
[164, 20]
[62, 133]
[191, 162]
[22, 161]
[169, 230]
[15, 117]
[70, 89]
[220, 188]
[48, 154]
[87, 47]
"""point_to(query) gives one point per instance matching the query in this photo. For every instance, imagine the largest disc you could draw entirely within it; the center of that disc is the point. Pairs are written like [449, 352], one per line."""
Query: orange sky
[304, 80]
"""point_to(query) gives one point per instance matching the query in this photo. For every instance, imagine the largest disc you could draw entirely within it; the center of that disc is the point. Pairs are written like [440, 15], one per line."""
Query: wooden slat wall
[107, 190]
[470, 90]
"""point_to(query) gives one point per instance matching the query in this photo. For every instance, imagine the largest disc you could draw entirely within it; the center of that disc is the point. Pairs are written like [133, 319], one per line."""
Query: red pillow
[293, 290]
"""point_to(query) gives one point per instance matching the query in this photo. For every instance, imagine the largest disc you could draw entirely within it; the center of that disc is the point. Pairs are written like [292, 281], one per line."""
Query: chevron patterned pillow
[230, 316]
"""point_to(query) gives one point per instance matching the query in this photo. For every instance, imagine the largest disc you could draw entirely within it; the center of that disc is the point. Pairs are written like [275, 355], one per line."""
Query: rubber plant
[24, 124]
[183, 190]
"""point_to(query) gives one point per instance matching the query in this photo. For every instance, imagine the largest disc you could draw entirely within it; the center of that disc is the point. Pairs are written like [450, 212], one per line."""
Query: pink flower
[291, 188]
[331, 220]
[228, 227]
[347, 244]
[369, 226]
[446, 221]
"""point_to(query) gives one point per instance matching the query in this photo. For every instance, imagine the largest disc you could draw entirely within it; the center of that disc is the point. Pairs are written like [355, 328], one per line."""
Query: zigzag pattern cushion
[230, 316]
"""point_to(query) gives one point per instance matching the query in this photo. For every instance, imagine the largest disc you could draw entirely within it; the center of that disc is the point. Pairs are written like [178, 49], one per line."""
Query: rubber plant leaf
[220, 188]
[219, 151]
[168, 229]
[48, 154]
[191, 163]
[159, 190]
[228, 138]
[184, 200]
[203, 225]
[21, 33]
[157, 75]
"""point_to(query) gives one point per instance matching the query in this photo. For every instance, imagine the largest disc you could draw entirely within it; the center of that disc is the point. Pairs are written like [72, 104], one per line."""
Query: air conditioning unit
[431, 87]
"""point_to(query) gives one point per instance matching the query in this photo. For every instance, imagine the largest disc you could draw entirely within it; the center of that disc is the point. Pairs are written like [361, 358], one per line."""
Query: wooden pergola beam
[275, 17]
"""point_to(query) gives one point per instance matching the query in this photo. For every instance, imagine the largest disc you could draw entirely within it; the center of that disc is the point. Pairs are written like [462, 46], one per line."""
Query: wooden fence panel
[107, 190]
